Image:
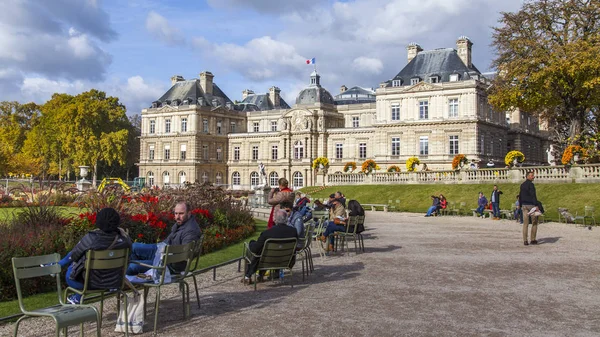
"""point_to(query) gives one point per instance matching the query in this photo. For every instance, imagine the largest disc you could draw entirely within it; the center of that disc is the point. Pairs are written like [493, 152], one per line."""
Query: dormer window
[414, 81]
[454, 77]
[434, 79]
[396, 83]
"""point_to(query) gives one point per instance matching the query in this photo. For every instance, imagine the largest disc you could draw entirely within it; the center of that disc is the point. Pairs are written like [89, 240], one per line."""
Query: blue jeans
[331, 227]
[480, 210]
[496, 209]
[141, 252]
[431, 210]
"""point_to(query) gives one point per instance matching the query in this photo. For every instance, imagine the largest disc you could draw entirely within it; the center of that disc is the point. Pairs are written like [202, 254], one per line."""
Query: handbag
[135, 314]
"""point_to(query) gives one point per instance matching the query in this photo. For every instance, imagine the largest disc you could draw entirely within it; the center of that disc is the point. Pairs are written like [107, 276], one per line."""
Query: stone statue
[263, 174]
[550, 154]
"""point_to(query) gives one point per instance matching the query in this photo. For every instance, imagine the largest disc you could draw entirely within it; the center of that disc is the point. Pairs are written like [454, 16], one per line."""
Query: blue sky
[131, 48]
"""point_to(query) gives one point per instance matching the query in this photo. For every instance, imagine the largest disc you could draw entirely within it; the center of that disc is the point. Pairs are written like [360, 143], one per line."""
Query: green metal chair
[350, 233]
[195, 265]
[172, 254]
[276, 254]
[305, 253]
[588, 214]
[98, 260]
[64, 315]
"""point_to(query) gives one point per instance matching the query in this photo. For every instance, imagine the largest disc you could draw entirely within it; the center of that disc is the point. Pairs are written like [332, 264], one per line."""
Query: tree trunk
[95, 174]
[575, 129]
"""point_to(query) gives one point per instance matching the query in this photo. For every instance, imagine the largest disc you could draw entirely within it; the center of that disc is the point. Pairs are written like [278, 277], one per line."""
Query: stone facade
[435, 108]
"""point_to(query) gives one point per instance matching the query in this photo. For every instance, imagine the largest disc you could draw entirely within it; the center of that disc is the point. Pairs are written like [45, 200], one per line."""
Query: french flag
[311, 61]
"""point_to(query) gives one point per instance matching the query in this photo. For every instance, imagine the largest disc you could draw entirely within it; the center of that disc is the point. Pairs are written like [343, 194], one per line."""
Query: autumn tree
[548, 64]
[16, 120]
[90, 128]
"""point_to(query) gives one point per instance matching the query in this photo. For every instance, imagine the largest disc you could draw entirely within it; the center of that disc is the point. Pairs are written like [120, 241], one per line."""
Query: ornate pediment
[297, 120]
[423, 86]
[168, 108]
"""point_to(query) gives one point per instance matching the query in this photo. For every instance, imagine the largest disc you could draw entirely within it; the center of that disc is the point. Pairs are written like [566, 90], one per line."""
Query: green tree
[90, 128]
[547, 63]
[16, 120]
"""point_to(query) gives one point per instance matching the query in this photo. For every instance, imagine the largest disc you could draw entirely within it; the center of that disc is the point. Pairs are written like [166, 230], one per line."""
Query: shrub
[569, 154]
[393, 168]
[411, 164]
[512, 155]
[458, 161]
[350, 166]
[368, 166]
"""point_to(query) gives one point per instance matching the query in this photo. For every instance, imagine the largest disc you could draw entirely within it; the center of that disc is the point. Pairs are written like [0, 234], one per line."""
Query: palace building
[434, 108]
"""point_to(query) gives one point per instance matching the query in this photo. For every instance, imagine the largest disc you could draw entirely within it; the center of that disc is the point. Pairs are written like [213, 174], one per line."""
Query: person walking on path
[495, 200]
[528, 200]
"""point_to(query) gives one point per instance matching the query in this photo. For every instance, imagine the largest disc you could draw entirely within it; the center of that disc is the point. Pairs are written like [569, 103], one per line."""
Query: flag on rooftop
[311, 61]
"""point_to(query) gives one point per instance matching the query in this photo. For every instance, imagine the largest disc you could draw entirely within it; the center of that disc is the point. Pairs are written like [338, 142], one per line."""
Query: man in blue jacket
[495, 200]
[481, 203]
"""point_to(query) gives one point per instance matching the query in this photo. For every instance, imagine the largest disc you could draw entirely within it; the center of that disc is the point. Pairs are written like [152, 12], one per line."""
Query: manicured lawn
[416, 198]
[225, 254]
[8, 212]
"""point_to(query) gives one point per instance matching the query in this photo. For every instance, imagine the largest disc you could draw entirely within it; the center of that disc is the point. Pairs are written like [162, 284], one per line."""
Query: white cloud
[368, 65]
[135, 93]
[160, 28]
[268, 6]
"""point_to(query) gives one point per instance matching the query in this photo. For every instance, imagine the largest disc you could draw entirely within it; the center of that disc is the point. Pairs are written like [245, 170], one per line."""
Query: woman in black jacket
[108, 235]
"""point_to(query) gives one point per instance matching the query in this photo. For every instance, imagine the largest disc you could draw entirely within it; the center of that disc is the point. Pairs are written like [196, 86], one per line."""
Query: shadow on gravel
[548, 240]
[389, 248]
[246, 298]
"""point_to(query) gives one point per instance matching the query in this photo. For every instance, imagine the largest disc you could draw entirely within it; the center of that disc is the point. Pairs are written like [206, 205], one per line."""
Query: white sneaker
[533, 210]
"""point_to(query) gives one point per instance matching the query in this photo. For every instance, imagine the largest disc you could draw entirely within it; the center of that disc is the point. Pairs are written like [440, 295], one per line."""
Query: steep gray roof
[261, 102]
[438, 62]
[355, 95]
[190, 92]
[314, 93]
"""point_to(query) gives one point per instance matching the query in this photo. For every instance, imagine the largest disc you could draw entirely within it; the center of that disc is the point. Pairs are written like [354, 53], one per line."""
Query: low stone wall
[543, 174]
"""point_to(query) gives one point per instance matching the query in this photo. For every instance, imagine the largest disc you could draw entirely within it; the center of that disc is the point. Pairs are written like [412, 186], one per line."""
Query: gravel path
[442, 276]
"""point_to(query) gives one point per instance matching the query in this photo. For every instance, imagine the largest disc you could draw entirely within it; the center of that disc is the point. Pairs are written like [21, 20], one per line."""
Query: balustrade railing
[544, 174]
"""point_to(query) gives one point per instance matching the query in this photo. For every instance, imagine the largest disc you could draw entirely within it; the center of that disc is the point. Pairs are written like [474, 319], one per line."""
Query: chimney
[247, 93]
[413, 49]
[343, 89]
[206, 82]
[176, 78]
[463, 48]
[274, 96]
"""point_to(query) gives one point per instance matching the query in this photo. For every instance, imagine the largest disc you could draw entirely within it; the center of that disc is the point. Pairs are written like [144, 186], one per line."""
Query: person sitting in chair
[337, 222]
[107, 235]
[281, 230]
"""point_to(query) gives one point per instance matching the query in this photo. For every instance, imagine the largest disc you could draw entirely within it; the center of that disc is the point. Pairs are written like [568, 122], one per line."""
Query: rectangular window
[274, 152]
[183, 150]
[152, 126]
[424, 145]
[453, 77]
[395, 146]
[184, 125]
[232, 127]
[205, 125]
[453, 145]
[205, 152]
[273, 125]
[167, 126]
[433, 79]
[362, 150]
[218, 127]
[482, 145]
[167, 152]
[453, 107]
[219, 152]
[255, 126]
[339, 151]
[151, 152]
[423, 109]
[414, 81]
[395, 112]
[255, 152]
[396, 83]
[236, 153]
[355, 122]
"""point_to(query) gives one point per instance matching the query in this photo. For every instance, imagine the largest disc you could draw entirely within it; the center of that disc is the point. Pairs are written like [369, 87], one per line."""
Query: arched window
[219, 178]
[150, 179]
[298, 180]
[182, 177]
[166, 178]
[235, 178]
[204, 177]
[273, 179]
[254, 180]
[298, 150]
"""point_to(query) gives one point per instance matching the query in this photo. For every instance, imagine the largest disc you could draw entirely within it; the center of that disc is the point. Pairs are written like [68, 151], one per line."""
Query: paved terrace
[443, 276]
